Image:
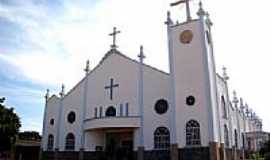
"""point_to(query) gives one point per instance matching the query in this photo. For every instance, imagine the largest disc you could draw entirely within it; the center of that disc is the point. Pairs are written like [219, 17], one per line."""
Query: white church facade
[125, 109]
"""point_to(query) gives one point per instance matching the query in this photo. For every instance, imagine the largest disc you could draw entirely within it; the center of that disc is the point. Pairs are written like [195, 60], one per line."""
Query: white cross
[187, 7]
[115, 32]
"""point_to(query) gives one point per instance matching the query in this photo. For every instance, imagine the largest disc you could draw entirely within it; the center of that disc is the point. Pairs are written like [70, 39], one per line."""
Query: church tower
[193, 81]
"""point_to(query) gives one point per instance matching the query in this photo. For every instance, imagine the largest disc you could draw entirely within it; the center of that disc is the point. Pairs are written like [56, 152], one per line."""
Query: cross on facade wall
[113, 34]
[110, 87]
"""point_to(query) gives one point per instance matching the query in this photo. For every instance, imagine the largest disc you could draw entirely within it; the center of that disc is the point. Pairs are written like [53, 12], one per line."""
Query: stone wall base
[194, 153]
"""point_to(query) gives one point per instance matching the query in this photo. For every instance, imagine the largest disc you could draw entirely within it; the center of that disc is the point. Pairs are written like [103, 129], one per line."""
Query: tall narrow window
[243, 140]
[208, 37]
[50, 142]
[70, 142]
[236, 138]
[121, 110]
[127, 107]
[193, 137]
[100, 111]
[161, 138]
[95, 112]
[223, 105]
[226, 136]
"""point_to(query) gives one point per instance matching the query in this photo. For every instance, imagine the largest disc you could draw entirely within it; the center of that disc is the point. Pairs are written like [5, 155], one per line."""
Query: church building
[124, 109]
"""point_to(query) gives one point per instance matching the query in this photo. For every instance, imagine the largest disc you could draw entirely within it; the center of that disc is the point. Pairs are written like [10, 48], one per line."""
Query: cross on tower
[111, 86]
[187, 7]
[115, 32]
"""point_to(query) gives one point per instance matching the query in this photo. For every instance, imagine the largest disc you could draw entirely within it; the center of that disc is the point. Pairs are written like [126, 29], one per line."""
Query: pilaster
[214, 151]
[44, 124]
[83, 109]
[140, 153]
[174, 152]
[62, 94]
[243, 154]
[234, 150]
[40, 154]
[173, 139]
[56, 154]
[141, 105]
[222, 152]
[81, 154]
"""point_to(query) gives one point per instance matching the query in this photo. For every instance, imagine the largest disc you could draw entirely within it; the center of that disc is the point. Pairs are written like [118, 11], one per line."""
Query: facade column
[234, 150]
[237, 111]
[83, 110]
[214, 152]
[230, 128]
[173, 138]
[44, 125]
[59, 120]
[222, 152]
[209, 25]
[242, 108]
[141, 104]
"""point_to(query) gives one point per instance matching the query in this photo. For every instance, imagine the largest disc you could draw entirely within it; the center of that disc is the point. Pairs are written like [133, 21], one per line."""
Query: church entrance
[119, 145]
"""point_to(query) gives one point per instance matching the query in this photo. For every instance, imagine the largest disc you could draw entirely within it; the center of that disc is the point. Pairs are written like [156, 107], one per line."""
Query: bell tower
[193, 79]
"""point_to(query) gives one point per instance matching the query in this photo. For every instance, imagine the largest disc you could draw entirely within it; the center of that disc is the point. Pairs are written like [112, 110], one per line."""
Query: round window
[161, 106]
[71, 117]
[186, 37]
[190, 100]
[52, 121]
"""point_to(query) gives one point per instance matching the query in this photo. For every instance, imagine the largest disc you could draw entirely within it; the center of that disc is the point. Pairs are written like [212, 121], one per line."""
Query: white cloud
[80, 32]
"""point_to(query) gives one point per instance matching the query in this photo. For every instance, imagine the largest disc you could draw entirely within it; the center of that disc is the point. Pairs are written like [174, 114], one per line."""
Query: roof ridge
[110, 52]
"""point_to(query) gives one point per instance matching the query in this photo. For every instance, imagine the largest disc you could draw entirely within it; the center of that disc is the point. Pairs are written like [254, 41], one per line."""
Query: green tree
[29, 135]
[9, 126]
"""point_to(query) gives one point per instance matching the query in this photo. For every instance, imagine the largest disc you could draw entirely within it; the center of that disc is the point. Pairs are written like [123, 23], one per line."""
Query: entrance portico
[115, 143]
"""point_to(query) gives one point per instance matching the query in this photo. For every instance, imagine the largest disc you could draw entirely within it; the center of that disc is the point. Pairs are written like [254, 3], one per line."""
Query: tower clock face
[186, 37]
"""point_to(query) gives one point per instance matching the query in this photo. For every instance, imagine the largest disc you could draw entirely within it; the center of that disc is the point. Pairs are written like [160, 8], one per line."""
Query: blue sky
[44, 43]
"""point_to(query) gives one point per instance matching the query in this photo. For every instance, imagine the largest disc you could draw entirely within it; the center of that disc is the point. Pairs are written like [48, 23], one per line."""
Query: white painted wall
[156, 86]
[52, 112]
[192, 72]
[190, 79]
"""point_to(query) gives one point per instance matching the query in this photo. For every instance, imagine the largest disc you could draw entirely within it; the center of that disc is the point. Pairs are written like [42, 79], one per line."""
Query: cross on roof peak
[113, 34]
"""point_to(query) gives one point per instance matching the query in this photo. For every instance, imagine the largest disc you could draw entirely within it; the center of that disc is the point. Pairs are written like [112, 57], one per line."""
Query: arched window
[111, 112]
[50, 142]
[226, 136]
[70, 142]
[193, 133]
[235, 138]
[161, 138]
[223, 105]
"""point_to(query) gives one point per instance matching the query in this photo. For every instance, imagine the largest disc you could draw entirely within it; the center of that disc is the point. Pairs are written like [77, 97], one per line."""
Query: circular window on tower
[186, 37]
[161, 106]
[71, 117]
[190, 100]
[51, 121]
